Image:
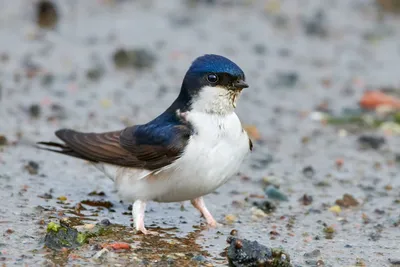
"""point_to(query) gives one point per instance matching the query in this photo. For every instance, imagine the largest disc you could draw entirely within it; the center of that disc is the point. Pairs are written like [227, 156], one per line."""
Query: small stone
[46, 14]
[347, 201]
[260, 49]
[257, 213]
[46, 196]
[329, 232]
[134, 58]
[306, 200]
[242, 252]
[234, 232]
[379, 211]
[3, 140]
[34, 111]
[274, 193]
[230, 218]
[272, 180]
[336, 209]
[105, 222]
[266, 206]
[47, 79]
[62, 198]
[238, 244]
[101, 254]
[360, 262]
[316, 26]
[339, 163]
[313, 254]
[95, 73]
[286, 79]
[373, 142]
[199, 258]
[394, 261]
[32, 167]
[308, 172]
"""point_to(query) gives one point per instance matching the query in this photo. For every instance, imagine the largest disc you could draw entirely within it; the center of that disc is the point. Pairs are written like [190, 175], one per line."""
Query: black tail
[59, 148]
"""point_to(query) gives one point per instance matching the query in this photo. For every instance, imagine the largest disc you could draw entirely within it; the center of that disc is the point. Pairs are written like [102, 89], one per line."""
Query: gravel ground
[297, 55]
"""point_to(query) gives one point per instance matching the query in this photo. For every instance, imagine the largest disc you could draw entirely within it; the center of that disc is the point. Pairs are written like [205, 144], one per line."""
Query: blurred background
[322, 108]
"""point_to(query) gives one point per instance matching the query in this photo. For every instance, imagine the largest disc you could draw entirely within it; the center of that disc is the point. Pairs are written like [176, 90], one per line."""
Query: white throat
[215, 100]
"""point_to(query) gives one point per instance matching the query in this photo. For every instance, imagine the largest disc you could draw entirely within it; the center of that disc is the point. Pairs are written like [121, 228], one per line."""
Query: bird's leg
[199, 204]
[138, 209]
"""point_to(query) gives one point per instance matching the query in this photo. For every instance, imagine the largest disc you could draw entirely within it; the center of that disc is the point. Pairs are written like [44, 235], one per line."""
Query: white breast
[213, 154]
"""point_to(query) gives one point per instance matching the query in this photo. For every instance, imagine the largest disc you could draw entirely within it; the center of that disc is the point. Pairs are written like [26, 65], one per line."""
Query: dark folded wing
[137, 146]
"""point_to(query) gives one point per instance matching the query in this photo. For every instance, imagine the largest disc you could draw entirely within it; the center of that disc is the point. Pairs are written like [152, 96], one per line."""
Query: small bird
[195, 146]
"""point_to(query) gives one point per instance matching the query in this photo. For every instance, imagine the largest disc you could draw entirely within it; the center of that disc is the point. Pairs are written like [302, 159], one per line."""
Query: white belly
[213, 154]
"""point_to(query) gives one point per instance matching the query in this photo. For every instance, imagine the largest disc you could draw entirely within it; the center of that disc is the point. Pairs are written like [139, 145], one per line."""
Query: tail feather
[60, 148]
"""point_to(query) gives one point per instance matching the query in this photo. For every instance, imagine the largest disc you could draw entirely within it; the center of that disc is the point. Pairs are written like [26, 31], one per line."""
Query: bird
[195, 146]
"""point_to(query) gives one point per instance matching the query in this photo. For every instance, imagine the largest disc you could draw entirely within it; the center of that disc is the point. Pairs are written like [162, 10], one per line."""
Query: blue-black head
[212, 84]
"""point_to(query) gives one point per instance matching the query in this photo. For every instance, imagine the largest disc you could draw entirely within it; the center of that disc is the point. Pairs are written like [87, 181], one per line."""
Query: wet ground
[299, 56]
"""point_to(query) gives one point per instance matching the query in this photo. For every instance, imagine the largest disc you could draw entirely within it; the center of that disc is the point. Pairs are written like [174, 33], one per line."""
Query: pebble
[347, 201]
[286, 79]
[370, 141]
[266, 206]
[134, 58]
[35, 111]
[257, 213]
[259, 49]
[3, 140]
[46, 14]
[199, 258]
[336, 209]
[101, 254]
[95, 73]
[316, 26]
[313, 254]
[308, 172]
[306, 200]
[230, 218]
[32, 167]
[105, 222]
[274, 193]
[272, 180]
[395, 261]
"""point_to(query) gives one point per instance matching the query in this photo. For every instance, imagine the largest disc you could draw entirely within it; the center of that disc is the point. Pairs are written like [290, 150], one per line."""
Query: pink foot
[138, 209]
[199, 204]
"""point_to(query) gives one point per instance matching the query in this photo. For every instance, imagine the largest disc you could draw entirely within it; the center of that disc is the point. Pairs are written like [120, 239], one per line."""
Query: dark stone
[34, 110]
[245, 253]
[306, 200]
[370, 141]
[134, 58]
[265, 206]
[3, 140]
[308, 171]
[95, 73]
[316, 26]
[286, 79]
[59, 237]
[394, 261]
[32, 167]
[46, 14]
[105, 222]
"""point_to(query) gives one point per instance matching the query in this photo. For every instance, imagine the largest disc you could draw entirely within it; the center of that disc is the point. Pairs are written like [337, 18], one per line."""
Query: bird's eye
[212, 78]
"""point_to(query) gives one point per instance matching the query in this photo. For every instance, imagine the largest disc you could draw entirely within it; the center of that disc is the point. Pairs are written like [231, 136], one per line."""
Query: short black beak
[240, 84]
